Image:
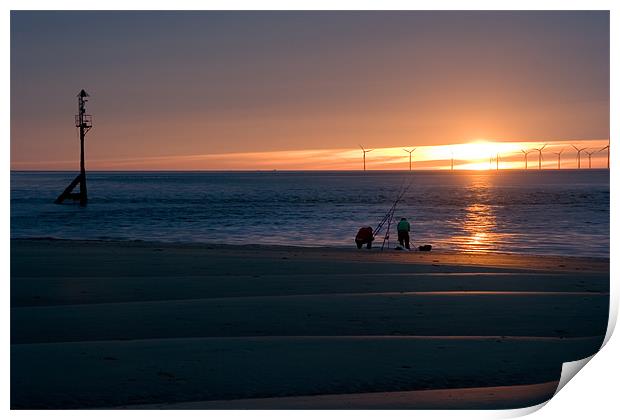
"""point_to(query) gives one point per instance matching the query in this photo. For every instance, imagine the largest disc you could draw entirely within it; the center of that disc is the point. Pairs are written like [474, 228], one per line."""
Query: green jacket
[403, 225]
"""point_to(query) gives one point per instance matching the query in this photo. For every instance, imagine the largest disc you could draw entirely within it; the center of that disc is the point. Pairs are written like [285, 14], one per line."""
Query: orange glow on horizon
[473, 155]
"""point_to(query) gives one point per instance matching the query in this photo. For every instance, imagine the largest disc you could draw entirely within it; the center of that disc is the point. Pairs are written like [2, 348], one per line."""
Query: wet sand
[153, 325]
[445, 399]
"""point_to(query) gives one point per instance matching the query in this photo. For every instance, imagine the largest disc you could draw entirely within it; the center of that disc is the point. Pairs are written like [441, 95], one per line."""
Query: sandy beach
[185, 326]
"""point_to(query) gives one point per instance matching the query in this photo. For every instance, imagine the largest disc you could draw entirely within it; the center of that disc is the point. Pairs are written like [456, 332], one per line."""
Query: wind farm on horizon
[497, 158]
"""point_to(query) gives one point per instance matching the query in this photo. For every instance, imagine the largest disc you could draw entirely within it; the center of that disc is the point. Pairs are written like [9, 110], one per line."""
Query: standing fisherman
[403, 229]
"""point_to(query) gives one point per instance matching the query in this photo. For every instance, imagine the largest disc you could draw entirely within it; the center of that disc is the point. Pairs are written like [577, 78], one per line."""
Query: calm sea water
[550, 212]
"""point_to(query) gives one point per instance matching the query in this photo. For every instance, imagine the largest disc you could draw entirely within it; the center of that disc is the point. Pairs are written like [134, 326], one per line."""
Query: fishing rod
[386, 237]
[390, 214]
[403, 190]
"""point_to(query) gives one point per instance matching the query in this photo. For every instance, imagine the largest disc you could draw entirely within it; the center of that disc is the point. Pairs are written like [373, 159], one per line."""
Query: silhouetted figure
[364, 236]
[403, 229]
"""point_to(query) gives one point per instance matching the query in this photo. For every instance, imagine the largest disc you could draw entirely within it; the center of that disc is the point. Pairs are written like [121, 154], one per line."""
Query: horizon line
[533, 169]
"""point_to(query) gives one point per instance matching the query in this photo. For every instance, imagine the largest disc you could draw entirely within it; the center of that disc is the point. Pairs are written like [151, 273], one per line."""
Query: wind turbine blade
[574, 147]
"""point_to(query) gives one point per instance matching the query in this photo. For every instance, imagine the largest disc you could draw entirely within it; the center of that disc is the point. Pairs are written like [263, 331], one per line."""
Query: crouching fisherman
[364, 236]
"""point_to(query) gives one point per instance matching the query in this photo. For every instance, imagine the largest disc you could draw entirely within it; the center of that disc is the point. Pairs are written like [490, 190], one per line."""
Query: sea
[548, 212]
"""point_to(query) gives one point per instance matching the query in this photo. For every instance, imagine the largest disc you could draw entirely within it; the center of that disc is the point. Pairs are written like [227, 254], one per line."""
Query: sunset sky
[301, 90]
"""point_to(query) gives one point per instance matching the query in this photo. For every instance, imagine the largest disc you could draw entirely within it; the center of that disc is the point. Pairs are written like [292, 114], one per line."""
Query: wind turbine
[559, 156]
[540, 156]
[606, 147]
[497, 162]
[525, 153]
[451, 160]
[410, 152]
[365, 151]
[578, 155]
[590, 158]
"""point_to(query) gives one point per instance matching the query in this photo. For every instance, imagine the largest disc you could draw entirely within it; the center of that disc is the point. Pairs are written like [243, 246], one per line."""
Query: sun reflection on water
[478, 230]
